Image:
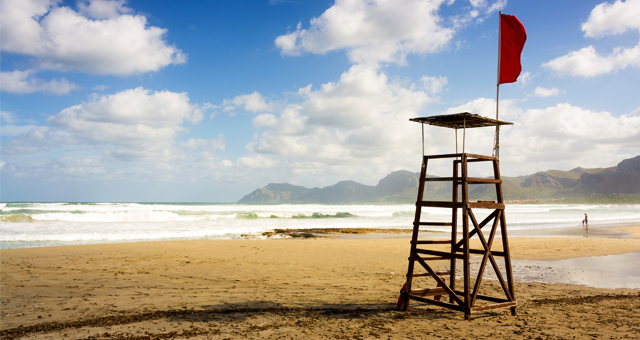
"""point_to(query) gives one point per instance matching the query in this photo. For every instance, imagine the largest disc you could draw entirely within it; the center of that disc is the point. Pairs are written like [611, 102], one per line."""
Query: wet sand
[291, 289]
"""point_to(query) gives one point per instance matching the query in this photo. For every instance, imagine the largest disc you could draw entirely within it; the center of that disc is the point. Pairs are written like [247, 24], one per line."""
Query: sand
[289, 289]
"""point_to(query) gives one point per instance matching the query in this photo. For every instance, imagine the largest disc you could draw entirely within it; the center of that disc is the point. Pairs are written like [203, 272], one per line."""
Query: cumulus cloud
[361, 119]
[103, 9]
[544, 92]
[557, 137]
[380, 30]
[586, 62]
[264, 120]
[217, 143]
[135, 124]
[611, 19]
[253, 102]
[102, 38]
[605, 19]
[524, 78]
[565, 136]
[26, 82]
[434, 85]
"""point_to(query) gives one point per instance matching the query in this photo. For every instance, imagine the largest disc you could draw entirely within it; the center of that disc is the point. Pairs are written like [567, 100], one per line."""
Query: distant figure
[582, 224]
[586, 221]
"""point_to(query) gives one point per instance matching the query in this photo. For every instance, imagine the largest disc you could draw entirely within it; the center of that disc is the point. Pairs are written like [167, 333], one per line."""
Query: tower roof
[460, 121]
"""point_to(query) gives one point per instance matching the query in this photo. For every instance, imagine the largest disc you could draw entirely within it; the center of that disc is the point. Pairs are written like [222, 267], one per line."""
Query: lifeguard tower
[467, 300]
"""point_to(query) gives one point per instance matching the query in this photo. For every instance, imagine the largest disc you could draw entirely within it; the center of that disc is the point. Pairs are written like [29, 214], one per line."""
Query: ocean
[25, 225]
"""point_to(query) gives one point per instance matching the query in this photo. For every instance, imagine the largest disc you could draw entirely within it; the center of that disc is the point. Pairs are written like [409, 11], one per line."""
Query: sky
[206, 101]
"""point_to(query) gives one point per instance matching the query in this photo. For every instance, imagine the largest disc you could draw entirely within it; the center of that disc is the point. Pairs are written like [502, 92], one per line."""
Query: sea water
[50, 224]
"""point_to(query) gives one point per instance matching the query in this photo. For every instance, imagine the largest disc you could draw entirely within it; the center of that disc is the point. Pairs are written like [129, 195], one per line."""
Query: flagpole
[496, 147]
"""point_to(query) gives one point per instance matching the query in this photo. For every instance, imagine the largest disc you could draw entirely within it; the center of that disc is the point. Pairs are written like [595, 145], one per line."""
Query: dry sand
[288, 289]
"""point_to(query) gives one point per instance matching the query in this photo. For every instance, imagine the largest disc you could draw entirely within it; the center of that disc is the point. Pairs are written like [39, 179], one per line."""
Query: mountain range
[621, 183]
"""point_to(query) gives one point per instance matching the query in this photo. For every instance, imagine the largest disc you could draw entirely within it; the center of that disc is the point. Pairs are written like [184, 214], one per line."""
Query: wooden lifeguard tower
[459, 249]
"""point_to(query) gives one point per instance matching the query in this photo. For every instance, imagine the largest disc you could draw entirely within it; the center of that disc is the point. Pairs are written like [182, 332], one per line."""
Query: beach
[335, 287]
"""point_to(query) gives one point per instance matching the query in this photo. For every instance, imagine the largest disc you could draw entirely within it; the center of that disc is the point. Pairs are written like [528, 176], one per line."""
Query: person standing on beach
[586, 221]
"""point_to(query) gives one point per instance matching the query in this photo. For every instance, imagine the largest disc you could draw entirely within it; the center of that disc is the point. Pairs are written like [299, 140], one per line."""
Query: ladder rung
[481, 252]
[428, 291]
[439, 179]
[438, 253]
[494, 306]
[441, 204]
[433, 242]
[427, 274]
[486, 205]
[475, 180]
[436, 258]
[444, 224]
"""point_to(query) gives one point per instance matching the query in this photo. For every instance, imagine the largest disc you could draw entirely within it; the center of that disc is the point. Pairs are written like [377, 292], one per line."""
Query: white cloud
[264, 120]
[6, 117]
[611, 19]
[378, 31]
[217, 143]
[524, 78]
[434, 85]
[566, 136]
[360, 120]
[253, 102]
[257, 162]
[103, 9]
[26, 82]
[60, 38]
[100, 87]
[587, 62]
[35, 139]
[605, 19]
[636, 112]
[557, 137]
[544, 92]
[134, 124]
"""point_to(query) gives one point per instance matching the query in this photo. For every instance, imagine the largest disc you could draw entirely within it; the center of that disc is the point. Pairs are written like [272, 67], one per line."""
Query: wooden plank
[437, 303]
[436, 258]
[486, 205]
[450, 155]
[478, 160]
[494, 306]
[414, 234]
[492, 298]
[428, 292]
[477, 180]
[438, 253]
[440, 179]
[454, 230]
[442, 224]
[440, 204]
[433, 242]
[439, 281]
[476, 156]
[485, 297]
[482, 224]
[481, 252]
[427, 274]
[465, 240]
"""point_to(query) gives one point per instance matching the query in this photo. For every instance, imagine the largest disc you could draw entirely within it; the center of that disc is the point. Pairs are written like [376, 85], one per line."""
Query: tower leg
[505, 239]
[414, 235]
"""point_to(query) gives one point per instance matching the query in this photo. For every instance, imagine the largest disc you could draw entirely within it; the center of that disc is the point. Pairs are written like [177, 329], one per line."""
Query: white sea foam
[47, 224]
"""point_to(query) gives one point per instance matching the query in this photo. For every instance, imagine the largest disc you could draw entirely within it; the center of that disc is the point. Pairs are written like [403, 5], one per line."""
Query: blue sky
[205, 101]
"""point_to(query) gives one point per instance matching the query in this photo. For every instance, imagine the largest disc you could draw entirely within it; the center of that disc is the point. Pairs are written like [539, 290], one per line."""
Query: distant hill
[622, 180]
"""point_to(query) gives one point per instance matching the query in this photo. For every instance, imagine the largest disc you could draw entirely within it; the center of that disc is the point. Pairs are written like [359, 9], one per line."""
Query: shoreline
[599, 231]
[325, 287]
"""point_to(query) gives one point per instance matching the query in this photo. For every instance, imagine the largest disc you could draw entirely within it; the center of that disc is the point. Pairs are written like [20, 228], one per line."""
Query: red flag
[512, 38]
